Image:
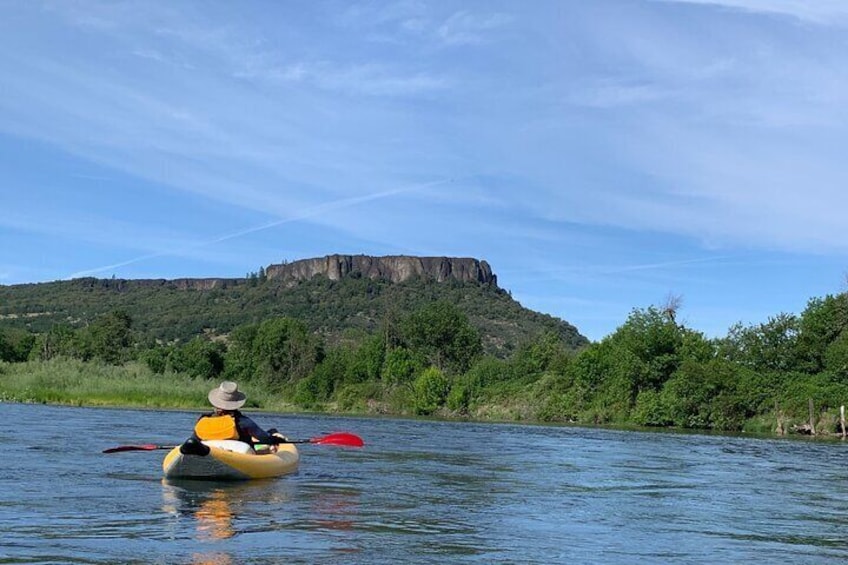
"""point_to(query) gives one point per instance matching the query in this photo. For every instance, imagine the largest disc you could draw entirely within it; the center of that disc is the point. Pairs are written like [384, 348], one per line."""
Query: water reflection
[215, 509]
[334, 508]
[215, 518]
[212, 558]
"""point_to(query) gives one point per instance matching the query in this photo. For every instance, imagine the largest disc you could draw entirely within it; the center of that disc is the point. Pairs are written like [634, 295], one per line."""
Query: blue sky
[601, 155]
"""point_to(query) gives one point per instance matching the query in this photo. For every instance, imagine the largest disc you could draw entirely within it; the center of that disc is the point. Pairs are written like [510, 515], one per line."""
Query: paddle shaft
[338, 438]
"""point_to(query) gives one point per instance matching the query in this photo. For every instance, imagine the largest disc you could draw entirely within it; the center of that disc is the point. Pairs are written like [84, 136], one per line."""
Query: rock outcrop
[394, 268]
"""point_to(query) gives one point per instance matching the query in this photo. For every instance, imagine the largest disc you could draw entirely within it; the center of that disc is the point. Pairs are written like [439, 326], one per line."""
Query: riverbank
[73, 382]
[78, 383]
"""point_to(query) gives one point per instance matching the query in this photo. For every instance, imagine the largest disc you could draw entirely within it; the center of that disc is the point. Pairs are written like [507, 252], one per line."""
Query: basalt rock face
[124, 285]
[393, 268]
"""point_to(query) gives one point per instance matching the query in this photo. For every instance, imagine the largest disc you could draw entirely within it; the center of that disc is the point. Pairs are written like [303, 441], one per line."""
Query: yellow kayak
[228, 460]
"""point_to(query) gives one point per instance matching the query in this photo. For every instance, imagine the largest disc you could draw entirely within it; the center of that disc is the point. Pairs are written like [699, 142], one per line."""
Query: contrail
[305, 214]
[605, 270]
[651, 266]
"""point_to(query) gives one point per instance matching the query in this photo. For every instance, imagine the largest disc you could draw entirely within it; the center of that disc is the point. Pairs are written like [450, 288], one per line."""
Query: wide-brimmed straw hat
[227, 396]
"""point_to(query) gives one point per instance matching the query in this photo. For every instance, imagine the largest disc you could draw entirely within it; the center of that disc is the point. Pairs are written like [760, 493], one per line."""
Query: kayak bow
[229, 460]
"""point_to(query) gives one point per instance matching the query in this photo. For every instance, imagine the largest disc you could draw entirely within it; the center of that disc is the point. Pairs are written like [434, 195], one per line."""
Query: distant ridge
[337, 296]
[389, 268]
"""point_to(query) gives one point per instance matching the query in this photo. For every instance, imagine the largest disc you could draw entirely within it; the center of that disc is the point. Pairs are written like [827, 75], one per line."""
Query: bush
[431, 390]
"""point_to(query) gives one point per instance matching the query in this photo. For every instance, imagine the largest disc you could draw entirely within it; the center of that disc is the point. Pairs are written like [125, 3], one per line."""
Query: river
[418, 492]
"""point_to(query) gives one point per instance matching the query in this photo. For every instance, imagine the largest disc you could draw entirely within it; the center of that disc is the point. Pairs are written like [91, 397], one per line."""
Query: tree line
[651, 371]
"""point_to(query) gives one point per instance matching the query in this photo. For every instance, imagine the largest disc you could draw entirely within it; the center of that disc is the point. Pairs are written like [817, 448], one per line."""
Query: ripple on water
[423, 492]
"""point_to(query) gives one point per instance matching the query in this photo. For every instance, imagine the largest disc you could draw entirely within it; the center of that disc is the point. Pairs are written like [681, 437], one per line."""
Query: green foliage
[401, 365]
[651, 340]
[322, 383]
[15, 345]
[547, 351]
[488, 371]
[771, 346]
[108, 338]
[199, 358]
[823, 389]
[431, 390]
[651, 410]
[239, 361]
[156, 359]
[176, 311]
[444, 334]
[822, 322]
[93, 383]
[357, 397]
[274, 352]
[704, 396]
[459, 397]
[836, 357]
[366, 363]
[60, 341]
[418, 348]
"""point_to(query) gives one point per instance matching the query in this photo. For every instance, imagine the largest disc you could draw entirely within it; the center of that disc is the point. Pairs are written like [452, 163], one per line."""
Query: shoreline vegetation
[789, 374]
[85, 384]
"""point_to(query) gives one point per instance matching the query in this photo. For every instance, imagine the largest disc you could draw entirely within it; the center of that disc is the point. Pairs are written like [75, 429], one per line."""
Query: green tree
[822, 322]
[836, 357]
[59, 340]
[284, 351]
[367, 360]
[654, 338]
[546, 352]
[199, 358]
[15, 345]
[156, 358]
[772, 346]
[6, 351]
[400, 366]
[239, 361]
[325, 378]
[443, 333]
[109, 337]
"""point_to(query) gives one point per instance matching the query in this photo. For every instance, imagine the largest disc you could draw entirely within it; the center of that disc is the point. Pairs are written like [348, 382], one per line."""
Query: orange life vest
[216, 427]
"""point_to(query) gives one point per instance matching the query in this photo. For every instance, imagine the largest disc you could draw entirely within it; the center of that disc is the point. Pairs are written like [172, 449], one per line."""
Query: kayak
[228, 460]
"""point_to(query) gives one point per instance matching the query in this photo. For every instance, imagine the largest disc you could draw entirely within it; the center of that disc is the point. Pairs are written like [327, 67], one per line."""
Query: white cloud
[467, 28]
[718, 129]
[816, 11]
[611, 93]
[370, 79]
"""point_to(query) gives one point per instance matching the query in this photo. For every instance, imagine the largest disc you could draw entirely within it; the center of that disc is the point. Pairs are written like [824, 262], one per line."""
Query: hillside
[334, 295]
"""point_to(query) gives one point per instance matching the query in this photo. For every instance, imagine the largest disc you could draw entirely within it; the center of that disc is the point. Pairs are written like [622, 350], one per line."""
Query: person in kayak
[227, 422]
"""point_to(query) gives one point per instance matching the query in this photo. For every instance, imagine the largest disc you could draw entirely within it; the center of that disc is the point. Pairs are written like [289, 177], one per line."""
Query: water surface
[422, 492]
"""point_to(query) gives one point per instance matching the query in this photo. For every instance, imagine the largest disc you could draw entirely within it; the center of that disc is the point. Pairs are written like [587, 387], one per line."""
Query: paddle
[338, 438]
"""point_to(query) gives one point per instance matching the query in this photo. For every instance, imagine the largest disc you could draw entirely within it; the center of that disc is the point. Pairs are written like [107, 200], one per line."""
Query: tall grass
[74, 382]
[80, 383]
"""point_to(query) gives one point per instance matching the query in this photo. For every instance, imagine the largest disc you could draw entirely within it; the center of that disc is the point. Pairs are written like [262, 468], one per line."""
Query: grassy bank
[133, 385]
[78, 383]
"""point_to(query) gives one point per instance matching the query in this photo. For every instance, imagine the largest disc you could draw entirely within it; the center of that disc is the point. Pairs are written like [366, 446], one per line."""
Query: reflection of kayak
[228, 460]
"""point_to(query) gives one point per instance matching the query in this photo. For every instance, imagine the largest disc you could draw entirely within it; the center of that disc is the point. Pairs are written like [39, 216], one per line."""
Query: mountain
[338, 296]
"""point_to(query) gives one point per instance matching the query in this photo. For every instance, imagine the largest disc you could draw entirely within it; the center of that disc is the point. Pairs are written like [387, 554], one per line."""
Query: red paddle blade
[339, 438]
[143, 447]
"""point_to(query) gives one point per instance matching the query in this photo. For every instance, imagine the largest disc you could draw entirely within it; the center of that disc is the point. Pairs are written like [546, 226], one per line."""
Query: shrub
[431, 389]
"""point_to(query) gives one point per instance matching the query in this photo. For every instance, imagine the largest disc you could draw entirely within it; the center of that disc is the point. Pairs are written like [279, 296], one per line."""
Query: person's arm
[249, 426]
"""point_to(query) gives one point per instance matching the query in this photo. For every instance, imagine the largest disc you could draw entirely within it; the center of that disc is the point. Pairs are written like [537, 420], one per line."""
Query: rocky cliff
[394, 268]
